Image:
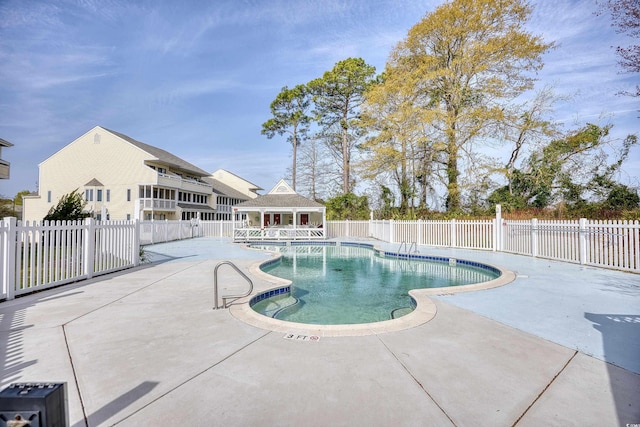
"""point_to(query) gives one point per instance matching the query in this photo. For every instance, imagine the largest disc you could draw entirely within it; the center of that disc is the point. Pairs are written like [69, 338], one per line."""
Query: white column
[324, 223]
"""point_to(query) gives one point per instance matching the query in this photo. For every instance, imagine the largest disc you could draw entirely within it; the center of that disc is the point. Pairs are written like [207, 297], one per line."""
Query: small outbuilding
[281, 214]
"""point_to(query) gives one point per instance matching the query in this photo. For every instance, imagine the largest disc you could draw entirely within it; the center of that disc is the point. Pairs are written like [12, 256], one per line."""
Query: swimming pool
[355, 283]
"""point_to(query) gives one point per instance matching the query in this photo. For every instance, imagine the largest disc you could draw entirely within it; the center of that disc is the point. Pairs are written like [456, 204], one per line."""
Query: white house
[122, 178]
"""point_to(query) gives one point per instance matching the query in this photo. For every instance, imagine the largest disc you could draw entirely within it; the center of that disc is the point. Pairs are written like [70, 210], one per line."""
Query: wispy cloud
[197, 78]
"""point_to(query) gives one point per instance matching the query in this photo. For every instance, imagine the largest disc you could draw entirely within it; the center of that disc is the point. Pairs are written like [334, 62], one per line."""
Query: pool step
[282, 305]
[400, 311]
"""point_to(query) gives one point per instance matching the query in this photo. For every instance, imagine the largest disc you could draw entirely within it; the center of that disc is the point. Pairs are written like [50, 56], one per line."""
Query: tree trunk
[453, 191]
[293, 166]
[345, 161]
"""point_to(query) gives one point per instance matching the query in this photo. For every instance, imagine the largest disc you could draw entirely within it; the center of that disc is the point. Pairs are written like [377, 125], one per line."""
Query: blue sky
[196, 77]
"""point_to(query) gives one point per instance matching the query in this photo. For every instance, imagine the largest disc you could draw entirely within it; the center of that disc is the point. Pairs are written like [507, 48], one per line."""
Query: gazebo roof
[280, 196]
[280, 201]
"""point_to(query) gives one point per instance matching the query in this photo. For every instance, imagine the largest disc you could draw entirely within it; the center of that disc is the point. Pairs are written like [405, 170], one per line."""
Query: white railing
[160, 204]
[38, 256]
[348, 229]
[216, 228]
[275, 233]
[611, 244]
[165, 231]
[175, 181]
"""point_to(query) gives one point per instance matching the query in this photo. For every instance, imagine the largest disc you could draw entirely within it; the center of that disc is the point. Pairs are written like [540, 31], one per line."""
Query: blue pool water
[355, 284]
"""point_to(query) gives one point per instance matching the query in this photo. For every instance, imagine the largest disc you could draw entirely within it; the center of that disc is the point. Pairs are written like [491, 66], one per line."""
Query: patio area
[558, 346]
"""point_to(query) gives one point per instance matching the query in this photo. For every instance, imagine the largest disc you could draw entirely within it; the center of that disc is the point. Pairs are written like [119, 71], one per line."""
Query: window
[98, 195]
[88, 195]
[49, 196]
[108, 195]
[128, 217]
[128, 194]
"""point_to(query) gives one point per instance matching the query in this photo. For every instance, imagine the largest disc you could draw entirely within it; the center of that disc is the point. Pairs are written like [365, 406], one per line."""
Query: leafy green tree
[622, 197]
[464, 62]
[6, 207]
[397, 145]
[290, 115]
[69, 208]
[17, 200]
[574, 169]
[387, 202]
[348, 206]
[337, 96]
[528, 126]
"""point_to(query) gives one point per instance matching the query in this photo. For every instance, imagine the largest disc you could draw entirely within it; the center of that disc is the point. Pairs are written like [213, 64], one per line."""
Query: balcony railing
[174, 181]
[4, 169]
[158, 204]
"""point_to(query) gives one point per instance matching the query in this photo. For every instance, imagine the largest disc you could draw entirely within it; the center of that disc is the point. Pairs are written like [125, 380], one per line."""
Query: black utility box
[34, 405]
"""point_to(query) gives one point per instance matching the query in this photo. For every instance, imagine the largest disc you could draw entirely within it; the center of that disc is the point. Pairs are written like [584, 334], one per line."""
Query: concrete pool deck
[558, 346]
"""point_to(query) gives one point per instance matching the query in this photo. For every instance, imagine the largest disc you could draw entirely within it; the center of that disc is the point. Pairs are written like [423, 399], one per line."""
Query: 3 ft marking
[300, 337]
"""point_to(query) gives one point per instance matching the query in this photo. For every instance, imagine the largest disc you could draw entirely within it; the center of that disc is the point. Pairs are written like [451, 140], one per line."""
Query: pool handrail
[408, 251]
[215, 285]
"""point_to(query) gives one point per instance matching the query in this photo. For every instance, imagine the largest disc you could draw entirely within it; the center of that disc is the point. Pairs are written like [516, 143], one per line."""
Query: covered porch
[281, 214]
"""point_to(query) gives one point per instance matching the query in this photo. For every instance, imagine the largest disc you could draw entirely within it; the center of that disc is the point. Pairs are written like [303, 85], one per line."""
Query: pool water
[349, 285]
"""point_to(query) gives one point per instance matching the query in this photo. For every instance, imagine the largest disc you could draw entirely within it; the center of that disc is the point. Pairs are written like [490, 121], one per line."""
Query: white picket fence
[610, 244]
[39, 256]
[166, 231]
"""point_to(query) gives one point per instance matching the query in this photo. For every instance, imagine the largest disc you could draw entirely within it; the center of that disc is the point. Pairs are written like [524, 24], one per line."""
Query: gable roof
[94, 183]
[5, 143]
[225, 190]
[162, 155]
[280, 201]
[280, 196]
[252, 187]
[282, 188]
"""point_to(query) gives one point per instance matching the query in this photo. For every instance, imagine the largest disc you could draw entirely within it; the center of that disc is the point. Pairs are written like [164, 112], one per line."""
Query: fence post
[89, 245]
[454, 237]
[166, 230]
[497, 234]
[534, 237]
[136, 242]
[391, 236]
[582, 236]
[346, 228]
[419, 238]
[8, 261]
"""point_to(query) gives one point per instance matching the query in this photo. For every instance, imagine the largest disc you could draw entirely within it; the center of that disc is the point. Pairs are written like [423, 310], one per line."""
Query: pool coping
[424, 312]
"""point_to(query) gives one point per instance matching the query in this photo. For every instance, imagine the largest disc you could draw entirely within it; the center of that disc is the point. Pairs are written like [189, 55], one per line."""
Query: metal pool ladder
[408, 251]
[215, 285]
